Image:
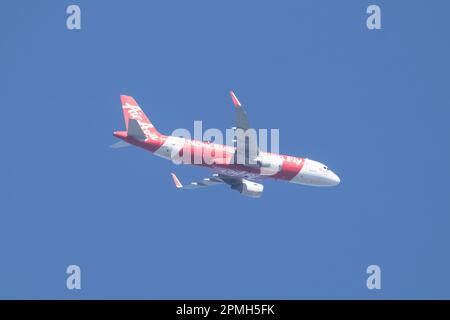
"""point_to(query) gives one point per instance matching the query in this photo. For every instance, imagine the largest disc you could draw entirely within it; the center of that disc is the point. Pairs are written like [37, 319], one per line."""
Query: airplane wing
[245, 187]
[248, 147]
[206, 182]
[241, 115]
[216, 179]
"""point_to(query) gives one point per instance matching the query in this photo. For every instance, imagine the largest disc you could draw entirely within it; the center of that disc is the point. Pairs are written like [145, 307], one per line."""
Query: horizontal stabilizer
[120, 144]
[135, 130]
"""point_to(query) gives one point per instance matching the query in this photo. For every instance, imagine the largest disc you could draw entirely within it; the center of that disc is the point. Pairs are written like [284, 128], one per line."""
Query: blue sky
[372, 105]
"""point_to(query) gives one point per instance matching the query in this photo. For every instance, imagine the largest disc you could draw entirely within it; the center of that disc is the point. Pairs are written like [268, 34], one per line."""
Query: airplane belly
[237, 172]
[300, 178]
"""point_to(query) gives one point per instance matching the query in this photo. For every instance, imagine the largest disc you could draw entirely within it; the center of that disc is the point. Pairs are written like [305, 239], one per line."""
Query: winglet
[176, 181]
[236, 102]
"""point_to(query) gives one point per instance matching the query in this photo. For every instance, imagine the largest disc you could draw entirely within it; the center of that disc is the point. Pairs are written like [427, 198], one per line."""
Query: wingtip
[236, 102]
[176, 181]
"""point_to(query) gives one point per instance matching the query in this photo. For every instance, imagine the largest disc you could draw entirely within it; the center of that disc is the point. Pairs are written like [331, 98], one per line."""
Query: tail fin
[135, 118]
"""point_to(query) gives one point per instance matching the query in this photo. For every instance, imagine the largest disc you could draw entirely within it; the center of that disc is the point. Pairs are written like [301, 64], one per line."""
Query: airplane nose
[336, 180]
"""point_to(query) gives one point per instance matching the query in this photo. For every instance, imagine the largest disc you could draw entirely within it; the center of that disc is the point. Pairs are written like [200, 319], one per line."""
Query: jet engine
[249, 188]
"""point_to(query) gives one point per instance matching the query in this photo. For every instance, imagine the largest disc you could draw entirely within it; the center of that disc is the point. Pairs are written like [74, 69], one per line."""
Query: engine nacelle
[249, 188]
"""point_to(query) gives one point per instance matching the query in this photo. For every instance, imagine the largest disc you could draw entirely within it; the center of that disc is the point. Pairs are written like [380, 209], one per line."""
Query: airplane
[244, 176]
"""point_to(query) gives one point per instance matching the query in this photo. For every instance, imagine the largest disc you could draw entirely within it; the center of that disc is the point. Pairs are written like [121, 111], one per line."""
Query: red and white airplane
[240, 177]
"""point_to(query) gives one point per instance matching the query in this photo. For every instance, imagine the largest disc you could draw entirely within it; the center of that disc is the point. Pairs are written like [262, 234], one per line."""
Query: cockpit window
[325, 167]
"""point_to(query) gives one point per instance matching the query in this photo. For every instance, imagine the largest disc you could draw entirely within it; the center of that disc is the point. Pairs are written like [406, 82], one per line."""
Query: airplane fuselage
[221, 159]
